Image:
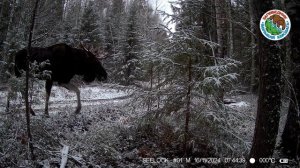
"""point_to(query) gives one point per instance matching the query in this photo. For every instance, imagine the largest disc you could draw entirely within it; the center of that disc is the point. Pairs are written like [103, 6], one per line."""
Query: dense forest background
[179, 83]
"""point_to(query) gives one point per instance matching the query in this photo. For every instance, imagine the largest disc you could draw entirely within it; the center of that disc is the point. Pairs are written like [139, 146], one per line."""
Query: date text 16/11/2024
[210, 160]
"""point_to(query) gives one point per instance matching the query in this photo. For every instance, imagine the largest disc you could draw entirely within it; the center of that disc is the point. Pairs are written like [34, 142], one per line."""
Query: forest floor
[102, 135]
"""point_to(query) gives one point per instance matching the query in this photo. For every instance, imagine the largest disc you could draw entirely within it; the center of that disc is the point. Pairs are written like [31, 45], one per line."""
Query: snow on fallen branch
[64, 156]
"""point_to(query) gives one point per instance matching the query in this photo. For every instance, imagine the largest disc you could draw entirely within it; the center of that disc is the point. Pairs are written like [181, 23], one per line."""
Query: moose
[65, 62]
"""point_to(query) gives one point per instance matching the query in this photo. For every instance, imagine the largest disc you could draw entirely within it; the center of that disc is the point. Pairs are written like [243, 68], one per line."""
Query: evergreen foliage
[179, 80]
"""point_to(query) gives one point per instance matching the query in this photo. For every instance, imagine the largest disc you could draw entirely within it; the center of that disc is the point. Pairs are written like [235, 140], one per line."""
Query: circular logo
[275, 25]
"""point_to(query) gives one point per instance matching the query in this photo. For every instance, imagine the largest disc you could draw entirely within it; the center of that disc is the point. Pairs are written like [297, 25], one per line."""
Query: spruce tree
[89, 29]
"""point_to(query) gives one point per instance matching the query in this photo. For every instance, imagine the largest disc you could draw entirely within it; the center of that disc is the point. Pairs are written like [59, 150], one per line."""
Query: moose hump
[279, 21]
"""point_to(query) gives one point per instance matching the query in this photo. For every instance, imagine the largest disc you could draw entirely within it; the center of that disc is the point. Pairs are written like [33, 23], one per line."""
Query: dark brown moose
[65, 62]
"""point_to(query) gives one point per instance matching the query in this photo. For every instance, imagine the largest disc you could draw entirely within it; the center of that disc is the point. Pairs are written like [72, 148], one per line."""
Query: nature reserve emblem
[275, 25]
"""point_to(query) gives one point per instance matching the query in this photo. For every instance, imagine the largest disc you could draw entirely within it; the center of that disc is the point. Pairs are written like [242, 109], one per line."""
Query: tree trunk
[60, 9]
[269, 100]
[220, 41]
[10, 25]
[220, 32]
[286, 63]
[253, 47]
[188, 106]
[291, 133]
[27, 81]
[4, 20]
[151, 87]
[230, 30]
[158, 88]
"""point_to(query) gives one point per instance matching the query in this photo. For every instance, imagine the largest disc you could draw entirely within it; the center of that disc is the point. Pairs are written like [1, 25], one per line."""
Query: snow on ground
[104, 112]
[87, 93]
[105, 106]
[60, 97]
[238, 104]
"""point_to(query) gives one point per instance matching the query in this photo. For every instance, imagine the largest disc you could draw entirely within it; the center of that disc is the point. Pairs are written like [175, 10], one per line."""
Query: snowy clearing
[61, 97]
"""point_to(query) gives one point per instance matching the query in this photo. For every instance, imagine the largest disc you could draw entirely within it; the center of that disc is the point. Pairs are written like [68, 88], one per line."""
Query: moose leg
[8, 100]
[49, 84]
[75, 89]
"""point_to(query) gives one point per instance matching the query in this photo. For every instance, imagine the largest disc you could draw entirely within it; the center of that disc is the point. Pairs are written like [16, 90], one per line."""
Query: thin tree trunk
[4, 19]
[230, 30]
[253, 48]
[60, 9]
[188, 106]
[10, 24]
[220, 50]
[78, 14]
[1, 8]
[65, 9]
[27, 81]
[158, 88]
[269, 101]
[151, 88]
[238, 32]
[220, 41]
